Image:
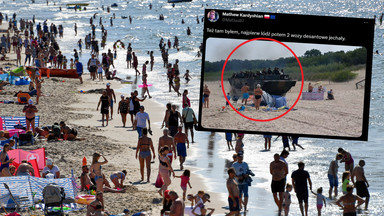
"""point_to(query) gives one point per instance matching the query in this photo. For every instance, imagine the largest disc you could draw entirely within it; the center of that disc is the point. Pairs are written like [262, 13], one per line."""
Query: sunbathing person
[116, 176]
[68, 133]
[43, 133]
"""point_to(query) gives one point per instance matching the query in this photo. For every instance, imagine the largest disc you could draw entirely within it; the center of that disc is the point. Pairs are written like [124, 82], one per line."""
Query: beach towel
[9, 122]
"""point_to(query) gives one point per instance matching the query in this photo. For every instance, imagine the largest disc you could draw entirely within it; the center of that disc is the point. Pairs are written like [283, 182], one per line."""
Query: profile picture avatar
[213, 16]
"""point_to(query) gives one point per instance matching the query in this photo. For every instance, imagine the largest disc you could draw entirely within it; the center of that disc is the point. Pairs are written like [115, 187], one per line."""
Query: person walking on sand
[234, 193]
[279, 171]
[349, 202]
[111, 93]
[145, 145]
[206, 93]
[140, 121]
[123, 109]
[173, 120]
[180, 139]
[244, 91]
[165, 168]
[166, 140]
[361, 183]
[152, 59]
[295, 142]
[347, 158]
[332, 175]
[79, 70]
[135, 63]
[299, 182]
[30, 111]
[96, 170]
[104, 101]
[258, 93]
[38, 83]
[242, 173]
[189, 119]
[267, 142]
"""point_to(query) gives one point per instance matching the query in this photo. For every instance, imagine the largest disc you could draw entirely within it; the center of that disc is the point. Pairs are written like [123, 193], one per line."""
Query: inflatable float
[85, 199]
[65, 73]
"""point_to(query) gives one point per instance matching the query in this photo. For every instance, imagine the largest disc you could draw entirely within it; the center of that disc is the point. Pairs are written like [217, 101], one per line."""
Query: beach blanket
[9, 122]
[38, 154]
[24, 186]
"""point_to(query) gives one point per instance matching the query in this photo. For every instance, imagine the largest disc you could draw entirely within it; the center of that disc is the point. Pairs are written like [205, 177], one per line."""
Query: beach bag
[159, 181]
[52, 193]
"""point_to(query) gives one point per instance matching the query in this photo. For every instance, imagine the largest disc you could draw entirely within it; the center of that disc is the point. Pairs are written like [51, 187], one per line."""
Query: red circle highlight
[277, 117]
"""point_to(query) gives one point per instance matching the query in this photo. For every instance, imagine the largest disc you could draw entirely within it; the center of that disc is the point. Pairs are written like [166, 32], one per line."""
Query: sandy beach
[340, 117]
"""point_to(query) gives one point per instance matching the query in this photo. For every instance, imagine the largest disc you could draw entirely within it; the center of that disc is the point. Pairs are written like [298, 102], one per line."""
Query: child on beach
[198, 198]
[287, 199]
[346, 180]
[185, 181]
[71, 64]
[320, 200]
[100, 72]
[229, 98]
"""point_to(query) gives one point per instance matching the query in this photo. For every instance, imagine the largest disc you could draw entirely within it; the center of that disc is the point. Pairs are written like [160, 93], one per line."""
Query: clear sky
[219, 48]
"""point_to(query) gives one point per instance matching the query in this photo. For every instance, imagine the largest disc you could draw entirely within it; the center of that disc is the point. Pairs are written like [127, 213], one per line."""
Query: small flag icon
[272, 17]
[266, 17]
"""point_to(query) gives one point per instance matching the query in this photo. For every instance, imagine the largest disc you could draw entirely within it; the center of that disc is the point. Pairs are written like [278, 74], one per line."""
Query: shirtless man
[279, 171]
[30, 111]
[24, 169]
[310, 87]
[361, 183]
[167, 140]
[97, 205]
[349, 200]
[234, 193]
[179, 139]
[258, 92]
[177, 207]
[245, 90]
[111, 93]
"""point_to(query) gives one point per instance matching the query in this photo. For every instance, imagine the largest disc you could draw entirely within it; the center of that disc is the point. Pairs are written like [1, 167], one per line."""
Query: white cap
[122, 96]
[49, 161]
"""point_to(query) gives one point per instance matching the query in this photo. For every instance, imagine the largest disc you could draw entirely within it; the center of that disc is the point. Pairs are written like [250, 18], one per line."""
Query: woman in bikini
[123, 109]
[38, 88]
[96, 170]
[258, 92]
[115, 178]
[30, 111]
[164, 168]
[145, 146]
[5, 161]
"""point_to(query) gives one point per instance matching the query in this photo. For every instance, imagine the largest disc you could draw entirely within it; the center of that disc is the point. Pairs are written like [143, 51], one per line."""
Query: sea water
[145, 32]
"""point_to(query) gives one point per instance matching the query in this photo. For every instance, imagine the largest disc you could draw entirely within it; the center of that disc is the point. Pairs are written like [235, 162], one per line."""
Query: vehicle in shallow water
[274, 84]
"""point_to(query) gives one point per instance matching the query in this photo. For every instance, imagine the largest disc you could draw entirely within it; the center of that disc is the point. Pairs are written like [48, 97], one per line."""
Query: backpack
[52, 193]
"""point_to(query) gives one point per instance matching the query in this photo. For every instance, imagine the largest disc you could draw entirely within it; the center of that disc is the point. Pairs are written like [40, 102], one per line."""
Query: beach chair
[20, 202]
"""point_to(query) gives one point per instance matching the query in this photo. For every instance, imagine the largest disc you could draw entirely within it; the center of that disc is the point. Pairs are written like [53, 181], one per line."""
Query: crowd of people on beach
[239, 180]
